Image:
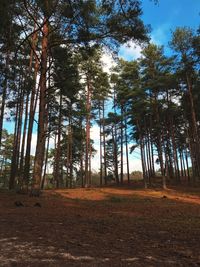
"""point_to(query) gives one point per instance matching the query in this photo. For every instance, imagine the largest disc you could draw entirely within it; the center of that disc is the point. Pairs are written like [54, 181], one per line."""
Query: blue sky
[164, 18]
[169, 14]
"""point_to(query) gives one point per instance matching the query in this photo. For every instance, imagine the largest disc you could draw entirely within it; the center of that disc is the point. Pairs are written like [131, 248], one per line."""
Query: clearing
[115, 226]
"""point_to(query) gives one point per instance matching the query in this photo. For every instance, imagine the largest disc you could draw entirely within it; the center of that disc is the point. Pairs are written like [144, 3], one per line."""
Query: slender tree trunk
[16, 143]
[33, 104]
[181, 163]
[71, 157]
[115, 158]
[87, 150]
[40, 147]
[23, 140]
[3, 99]
[100, 146]
[151, 147]
[90, 165]
[104, 146]
[122, 149]
[175, 154]
[81, 159]
[58, 148]
[188, 171]
[143, 162]
[46, 162]
[127, 154]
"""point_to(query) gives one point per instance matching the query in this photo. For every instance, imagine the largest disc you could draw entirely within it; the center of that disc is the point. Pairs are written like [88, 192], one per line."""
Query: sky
[164, 17]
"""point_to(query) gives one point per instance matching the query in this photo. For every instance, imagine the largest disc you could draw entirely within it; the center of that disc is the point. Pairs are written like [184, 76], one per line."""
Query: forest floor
[115, 226]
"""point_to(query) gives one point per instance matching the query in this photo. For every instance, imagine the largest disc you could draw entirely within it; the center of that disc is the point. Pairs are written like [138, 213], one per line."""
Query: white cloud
[130, 51]
[107, 61]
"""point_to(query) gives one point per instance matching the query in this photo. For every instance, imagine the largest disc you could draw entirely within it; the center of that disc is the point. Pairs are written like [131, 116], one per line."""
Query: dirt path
[101, 227]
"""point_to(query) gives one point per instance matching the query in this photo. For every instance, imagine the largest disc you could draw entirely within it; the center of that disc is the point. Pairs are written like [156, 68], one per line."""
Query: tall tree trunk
[58, 148]
[40, 147]
[188, 171]
[82, 154]
[122, 146]
[87, 150]
[71, 157]
[100, 145]
[33, 104]
[127, 154]
[23, 140]
[3, 99]
[46, 162]
[143, 162]
[115, 157]
[17, 137]
[104, 146]
[175, 154]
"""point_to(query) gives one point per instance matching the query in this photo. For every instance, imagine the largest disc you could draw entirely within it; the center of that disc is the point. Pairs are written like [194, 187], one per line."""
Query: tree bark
[40, 147]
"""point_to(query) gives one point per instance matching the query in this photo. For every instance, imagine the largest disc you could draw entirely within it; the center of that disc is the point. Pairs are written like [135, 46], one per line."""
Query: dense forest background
[53, 83]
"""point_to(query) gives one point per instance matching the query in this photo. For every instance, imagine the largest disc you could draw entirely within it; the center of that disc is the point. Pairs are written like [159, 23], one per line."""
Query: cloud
[130, 51]
[107, 62]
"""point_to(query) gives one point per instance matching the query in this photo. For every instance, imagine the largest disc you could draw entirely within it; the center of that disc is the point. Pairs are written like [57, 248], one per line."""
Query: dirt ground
[101, 227]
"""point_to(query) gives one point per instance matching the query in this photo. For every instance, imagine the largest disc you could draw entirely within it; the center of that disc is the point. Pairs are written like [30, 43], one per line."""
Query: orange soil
[101, 227]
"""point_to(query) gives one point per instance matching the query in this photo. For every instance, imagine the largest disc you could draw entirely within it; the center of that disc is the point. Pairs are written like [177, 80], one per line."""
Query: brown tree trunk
[46, 162]
[115, 157]
[23, 140]
[100, 145]
[3, 99]
[127, 154]
[58, 148]
[40, 147]
[122, 150]
[33, 104]
[87, 149]
[104, 146]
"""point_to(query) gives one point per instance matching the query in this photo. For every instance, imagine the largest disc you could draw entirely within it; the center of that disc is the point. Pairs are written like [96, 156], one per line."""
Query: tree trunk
[33, 103]
[23, 140]
[122, 150]
[100, 145]
[40, 147]
[87, 150]
[3, 99]
[104, 146]
[17, 137]
[58, 149]
[46, 162]
[127, 154]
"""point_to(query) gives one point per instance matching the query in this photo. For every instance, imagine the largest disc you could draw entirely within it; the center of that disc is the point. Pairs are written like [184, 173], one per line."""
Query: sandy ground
[101, 227]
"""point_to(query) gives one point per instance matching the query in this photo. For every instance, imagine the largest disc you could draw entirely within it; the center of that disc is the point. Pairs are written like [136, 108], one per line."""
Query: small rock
[37, 204]
[19, 204]
[35, 193]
